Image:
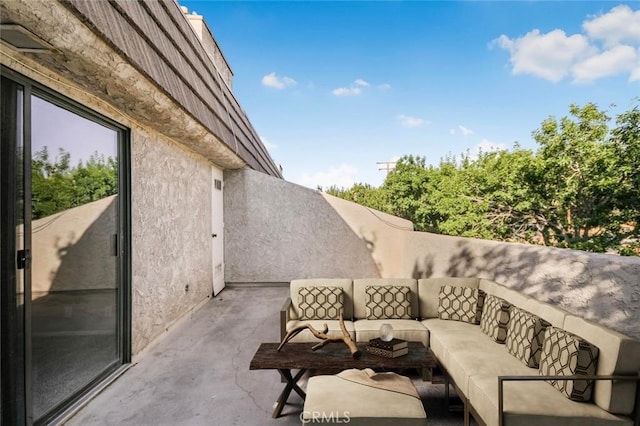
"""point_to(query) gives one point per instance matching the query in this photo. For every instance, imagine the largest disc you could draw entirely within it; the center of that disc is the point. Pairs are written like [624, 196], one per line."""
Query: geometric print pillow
[525, 334]
[495, 318]
[388, 302]
[320, 303]
[460, 304]
[565, 354]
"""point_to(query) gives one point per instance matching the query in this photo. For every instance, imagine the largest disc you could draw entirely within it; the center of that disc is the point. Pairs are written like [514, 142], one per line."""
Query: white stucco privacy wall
[276, 231]
[599, 287]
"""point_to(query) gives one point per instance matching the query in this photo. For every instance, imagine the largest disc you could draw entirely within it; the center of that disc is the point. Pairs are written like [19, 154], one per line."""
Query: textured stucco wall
[171, 234]
[599, 287]
[276, 231]
[603, 288]
[171, 219]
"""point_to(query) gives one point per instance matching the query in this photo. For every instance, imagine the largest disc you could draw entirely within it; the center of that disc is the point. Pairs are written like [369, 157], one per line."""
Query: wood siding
[155, 38]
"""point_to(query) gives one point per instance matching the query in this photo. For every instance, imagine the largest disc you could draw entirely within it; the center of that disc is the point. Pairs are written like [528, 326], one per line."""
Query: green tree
[56, 186]
[362, 193]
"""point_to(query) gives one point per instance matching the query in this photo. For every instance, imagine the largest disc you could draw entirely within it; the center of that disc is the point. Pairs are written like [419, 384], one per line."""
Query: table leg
[291, 385]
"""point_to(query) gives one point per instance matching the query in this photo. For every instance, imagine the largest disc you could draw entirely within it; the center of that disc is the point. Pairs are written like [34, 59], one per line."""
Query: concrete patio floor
[198, 372]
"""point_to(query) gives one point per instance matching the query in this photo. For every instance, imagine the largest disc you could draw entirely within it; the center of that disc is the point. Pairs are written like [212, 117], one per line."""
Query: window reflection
[74, 271]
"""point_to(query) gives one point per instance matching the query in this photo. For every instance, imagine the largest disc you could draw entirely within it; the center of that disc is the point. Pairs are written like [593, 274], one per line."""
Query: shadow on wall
[602, 288]
[74, 249]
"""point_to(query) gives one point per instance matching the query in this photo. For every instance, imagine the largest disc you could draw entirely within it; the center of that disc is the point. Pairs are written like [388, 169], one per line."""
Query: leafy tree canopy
[57, 186]
[580, 189]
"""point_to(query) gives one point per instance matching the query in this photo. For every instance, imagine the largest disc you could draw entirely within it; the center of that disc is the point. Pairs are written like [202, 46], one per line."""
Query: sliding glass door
[75, 300]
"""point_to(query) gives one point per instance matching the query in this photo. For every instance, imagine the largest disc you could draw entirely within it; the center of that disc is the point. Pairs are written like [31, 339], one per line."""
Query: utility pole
[386, 165]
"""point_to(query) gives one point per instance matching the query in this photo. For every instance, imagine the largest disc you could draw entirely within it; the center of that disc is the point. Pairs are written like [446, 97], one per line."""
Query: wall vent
[218, 184]
[23, 40]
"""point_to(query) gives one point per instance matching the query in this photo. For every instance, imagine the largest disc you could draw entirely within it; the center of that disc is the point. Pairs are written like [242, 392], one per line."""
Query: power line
[386, 166]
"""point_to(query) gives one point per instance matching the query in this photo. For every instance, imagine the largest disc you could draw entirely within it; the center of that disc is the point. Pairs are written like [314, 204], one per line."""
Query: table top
[335, 355]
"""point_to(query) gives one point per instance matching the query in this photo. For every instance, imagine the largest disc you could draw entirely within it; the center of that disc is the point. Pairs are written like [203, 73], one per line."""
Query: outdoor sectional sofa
[462, 320]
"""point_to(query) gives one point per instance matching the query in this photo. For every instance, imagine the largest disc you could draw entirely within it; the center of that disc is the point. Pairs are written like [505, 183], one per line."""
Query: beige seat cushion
[307, 336]
[341, 399]
[410, 330]
[535, 404]
[463, 349]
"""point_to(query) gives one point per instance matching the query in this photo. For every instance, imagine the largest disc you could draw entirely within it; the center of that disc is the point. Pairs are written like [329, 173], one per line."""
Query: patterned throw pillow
[460, 304]
[388, 302]
[565, 354]
[525, 334]
[318, 303]
[495, 318]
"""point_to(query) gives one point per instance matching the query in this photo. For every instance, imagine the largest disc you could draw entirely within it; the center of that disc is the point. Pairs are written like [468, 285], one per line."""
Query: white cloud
[384, 86]
[465, 131]
[619, 25]
[485, 146]
[347, 91]
[408, 121]
[342, 176]
[609, 45]
[356, 88]
[617, 60]
[549, 55]
[267, 144]
[272, 80]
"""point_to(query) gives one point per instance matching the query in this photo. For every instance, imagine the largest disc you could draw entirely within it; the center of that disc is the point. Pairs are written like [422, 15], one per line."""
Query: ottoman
[363, 397]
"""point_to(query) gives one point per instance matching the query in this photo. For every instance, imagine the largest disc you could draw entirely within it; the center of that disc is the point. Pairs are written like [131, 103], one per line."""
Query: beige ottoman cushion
[344, 398]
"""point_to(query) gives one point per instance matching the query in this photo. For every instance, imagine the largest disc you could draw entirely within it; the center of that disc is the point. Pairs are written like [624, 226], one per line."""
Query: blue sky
[332, 88]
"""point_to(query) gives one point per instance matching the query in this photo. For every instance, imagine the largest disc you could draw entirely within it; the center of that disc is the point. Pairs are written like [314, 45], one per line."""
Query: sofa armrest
[284, 317]
[502, 379]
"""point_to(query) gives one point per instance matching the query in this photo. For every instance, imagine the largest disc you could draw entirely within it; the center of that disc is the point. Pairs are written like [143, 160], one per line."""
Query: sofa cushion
[512, 296]
[619, 355]
[307, 336]
[460, 304]
[474, 353]
[495, 318]
[525, 334]
[320, 302]
[334, 400]
[345, 283]
[388, 302]
[550, 313]
[360, 297]
[534, 403]
[565, 354]
[409, 330]
[429, 289]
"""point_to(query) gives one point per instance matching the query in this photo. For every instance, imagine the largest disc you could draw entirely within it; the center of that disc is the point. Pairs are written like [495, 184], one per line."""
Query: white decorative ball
[386, 332]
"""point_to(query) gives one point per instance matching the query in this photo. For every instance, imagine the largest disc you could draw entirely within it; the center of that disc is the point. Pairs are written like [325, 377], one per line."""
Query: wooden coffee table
[299, 356]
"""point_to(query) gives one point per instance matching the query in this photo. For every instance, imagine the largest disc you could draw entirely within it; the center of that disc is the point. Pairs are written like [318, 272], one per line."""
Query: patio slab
[198, 373]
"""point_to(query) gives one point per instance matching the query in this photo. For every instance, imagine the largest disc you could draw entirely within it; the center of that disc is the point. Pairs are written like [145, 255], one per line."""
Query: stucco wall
[276, 231]
[599, 287]
[171, 234]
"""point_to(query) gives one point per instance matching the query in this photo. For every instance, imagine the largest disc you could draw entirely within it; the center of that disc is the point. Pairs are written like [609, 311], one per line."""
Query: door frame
[124, 314]
[217, 228]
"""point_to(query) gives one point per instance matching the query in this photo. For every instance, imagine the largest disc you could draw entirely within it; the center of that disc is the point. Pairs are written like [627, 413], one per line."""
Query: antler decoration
[326, 338]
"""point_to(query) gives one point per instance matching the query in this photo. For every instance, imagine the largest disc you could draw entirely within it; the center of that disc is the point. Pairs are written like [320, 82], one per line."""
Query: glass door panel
[74, 237]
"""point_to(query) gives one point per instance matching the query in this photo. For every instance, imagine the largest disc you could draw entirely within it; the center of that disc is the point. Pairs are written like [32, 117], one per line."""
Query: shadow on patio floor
[198, 373]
